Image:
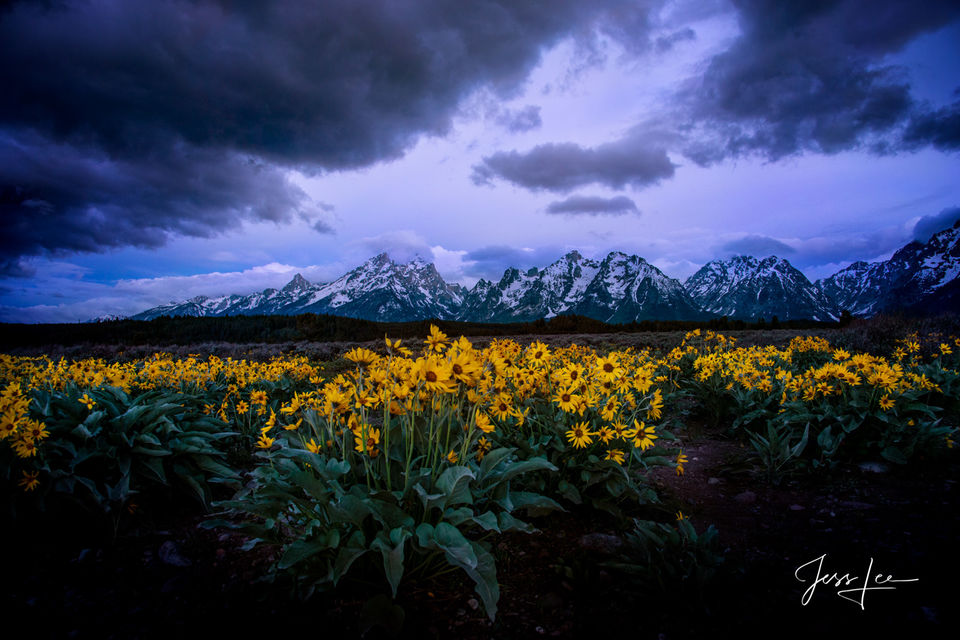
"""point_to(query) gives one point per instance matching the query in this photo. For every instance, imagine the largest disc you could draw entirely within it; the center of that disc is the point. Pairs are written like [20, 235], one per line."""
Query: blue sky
[155, 151]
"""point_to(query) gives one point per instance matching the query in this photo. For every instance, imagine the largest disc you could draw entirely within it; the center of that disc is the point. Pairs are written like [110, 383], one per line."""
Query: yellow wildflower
[580, 436]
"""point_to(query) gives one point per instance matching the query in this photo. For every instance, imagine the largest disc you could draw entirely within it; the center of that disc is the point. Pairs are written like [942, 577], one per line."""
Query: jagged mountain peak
[298, 283]
[746, 287]
[919, 276]
[418, 261]
[618, 288]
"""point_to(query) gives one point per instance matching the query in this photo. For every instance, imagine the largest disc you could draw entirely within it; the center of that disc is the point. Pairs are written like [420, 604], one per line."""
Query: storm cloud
[927, 226]
[812, 77]
[182, 117]
[562, 167]
[801, 77]
[58, 196]
[593, 206]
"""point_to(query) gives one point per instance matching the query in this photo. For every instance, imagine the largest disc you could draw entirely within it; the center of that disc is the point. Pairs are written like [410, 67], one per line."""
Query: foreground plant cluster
[409, 465]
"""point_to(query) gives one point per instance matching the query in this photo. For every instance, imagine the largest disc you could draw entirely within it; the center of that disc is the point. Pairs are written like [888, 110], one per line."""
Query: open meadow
[675, 484]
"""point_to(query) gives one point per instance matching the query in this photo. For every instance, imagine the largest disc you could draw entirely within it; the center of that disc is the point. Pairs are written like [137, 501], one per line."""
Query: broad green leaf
[353, 549]
[303, 549]
[429, 500]
[454, 482]
[488, 521]
[509, 523]
[424, 533]
[494, 458]
[391, 548]
[528, 499]
[456, 547]
[484, 576]
[525, 466]
[895, 455]
[352, 509]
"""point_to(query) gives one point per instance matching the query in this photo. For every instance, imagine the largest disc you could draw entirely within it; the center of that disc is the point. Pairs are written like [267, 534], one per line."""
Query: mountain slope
[921, 277]
[628, 288]
[379, 289]
[746, 288]
[619, 289]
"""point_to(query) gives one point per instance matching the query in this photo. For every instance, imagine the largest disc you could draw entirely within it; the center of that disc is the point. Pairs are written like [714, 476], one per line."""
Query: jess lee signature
[857, 593]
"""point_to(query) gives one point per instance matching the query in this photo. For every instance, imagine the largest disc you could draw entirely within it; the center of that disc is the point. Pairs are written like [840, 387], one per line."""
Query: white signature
[856, 594]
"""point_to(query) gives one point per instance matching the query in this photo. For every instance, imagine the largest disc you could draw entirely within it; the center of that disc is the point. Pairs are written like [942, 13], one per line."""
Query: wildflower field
[401, 471]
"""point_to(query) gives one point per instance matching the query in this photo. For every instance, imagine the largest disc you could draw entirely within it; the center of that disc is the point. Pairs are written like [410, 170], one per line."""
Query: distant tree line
[327, 328]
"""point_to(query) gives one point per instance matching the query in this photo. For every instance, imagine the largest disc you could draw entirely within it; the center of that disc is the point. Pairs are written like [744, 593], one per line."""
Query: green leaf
[454, 482]
[424, 533]
[492, 459]
[456, 547]
[895, 455]
[304, 549]
[155, 466]
[531, 500]
[151, 452]
[353, 549]
[429, 500]
[484, 575]
[509, 523]
[488, 521]
[350, 508]
[387, 513]
[797, 450]
[525, 466]
[458, 516]
[391, 548]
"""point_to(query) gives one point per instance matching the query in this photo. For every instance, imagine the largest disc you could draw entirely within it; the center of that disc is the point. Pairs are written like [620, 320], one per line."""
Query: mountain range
[618, 289]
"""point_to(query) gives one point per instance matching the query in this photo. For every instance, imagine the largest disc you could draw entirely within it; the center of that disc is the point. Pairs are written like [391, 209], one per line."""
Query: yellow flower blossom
[580, 435]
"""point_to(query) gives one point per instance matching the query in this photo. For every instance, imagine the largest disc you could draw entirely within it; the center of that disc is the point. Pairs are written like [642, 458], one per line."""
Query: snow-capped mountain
[619, 289]
[521, 297]
[627, 288]
[919, 276]
[379, 289]
[747, 288]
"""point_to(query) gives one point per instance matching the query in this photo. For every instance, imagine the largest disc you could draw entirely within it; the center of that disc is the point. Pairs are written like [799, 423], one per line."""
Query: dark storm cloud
[811, 76]
[147, 94]
[490, 262]
[526, 119]
[565, 166]
[929, 225]
[593, 206]
[938, 128]
[758, 246]
[58, 196]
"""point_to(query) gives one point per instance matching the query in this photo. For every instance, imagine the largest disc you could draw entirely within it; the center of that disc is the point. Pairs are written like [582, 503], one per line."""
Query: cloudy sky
[152, 151]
